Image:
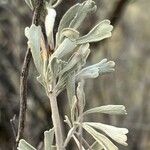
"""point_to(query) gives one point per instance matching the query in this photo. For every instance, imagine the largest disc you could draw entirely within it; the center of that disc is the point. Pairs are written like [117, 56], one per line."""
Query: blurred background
[129, 85]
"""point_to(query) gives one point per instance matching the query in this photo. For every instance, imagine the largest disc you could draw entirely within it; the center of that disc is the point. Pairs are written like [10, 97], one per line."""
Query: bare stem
[56, 121]
[23, 95]
[24, 76]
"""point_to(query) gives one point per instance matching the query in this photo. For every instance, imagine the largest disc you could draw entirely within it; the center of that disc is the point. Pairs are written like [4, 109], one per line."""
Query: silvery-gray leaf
[98, 33]
[73, 108]
[61, 84]
[95, 70]
[49, 25]
[75, 15]
[108, 109]
[74, 60]
[55, 66]
[84, 51]
[34, 37]
[66, 19]
[117, 134]
[81, 95]
[70, 87]
[48, 139]
[85, 8]
[65, 48]
[70, 33]
[96, 146]
[100, 138]
[23, 145]
[29, 3]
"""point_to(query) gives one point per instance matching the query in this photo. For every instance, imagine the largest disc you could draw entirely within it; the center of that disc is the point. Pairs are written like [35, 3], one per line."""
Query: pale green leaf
[23, 145]
[70, 87]
[66, 19]
[70, 33]
[96, 146]
[49, 25]
[85, 8]
[34, 38]
[73, 108]
[65, 48]
[98, 33]
[75, 15]
[48, 139]
[117, 134]
[81, 95]
[101, 139]
[95, 70]
[108, 109]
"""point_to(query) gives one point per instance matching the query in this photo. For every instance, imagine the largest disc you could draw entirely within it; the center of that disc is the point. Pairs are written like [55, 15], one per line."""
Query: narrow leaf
[49, 25]
[23, 145]
[101, 139]
[70, 87]
[117, 134]
[48, 139]
[108, 109]
[96, 146]
[34, 37]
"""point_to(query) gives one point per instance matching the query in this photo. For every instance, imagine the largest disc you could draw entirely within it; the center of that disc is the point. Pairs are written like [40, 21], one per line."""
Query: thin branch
[24, 76]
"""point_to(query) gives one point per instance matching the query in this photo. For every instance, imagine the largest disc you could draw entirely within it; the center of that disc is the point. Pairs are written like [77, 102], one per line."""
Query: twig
[24, 76]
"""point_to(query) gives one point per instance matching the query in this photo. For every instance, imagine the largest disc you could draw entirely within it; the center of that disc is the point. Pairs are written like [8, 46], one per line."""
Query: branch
[24, 76]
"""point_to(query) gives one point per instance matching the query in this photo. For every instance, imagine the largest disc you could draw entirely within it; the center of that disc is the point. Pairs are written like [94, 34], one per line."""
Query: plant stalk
[56, 121]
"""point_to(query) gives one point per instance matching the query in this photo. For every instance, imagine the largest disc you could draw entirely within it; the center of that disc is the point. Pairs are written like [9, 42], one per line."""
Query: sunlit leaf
[49, 25]
[23, 145]
[101, 139]
[70, 87]
[108, 109]
[95, 70]
[75, 15]
[73, 108]
[98, 33]
[96, 146]
[85, 8]
[48, 139]
[70, 33]
[34, 37]
[81, 95]
[65, 48]
[117, 134]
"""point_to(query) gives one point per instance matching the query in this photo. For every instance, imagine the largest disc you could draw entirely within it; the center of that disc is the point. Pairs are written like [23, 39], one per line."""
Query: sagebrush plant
[60, 66]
